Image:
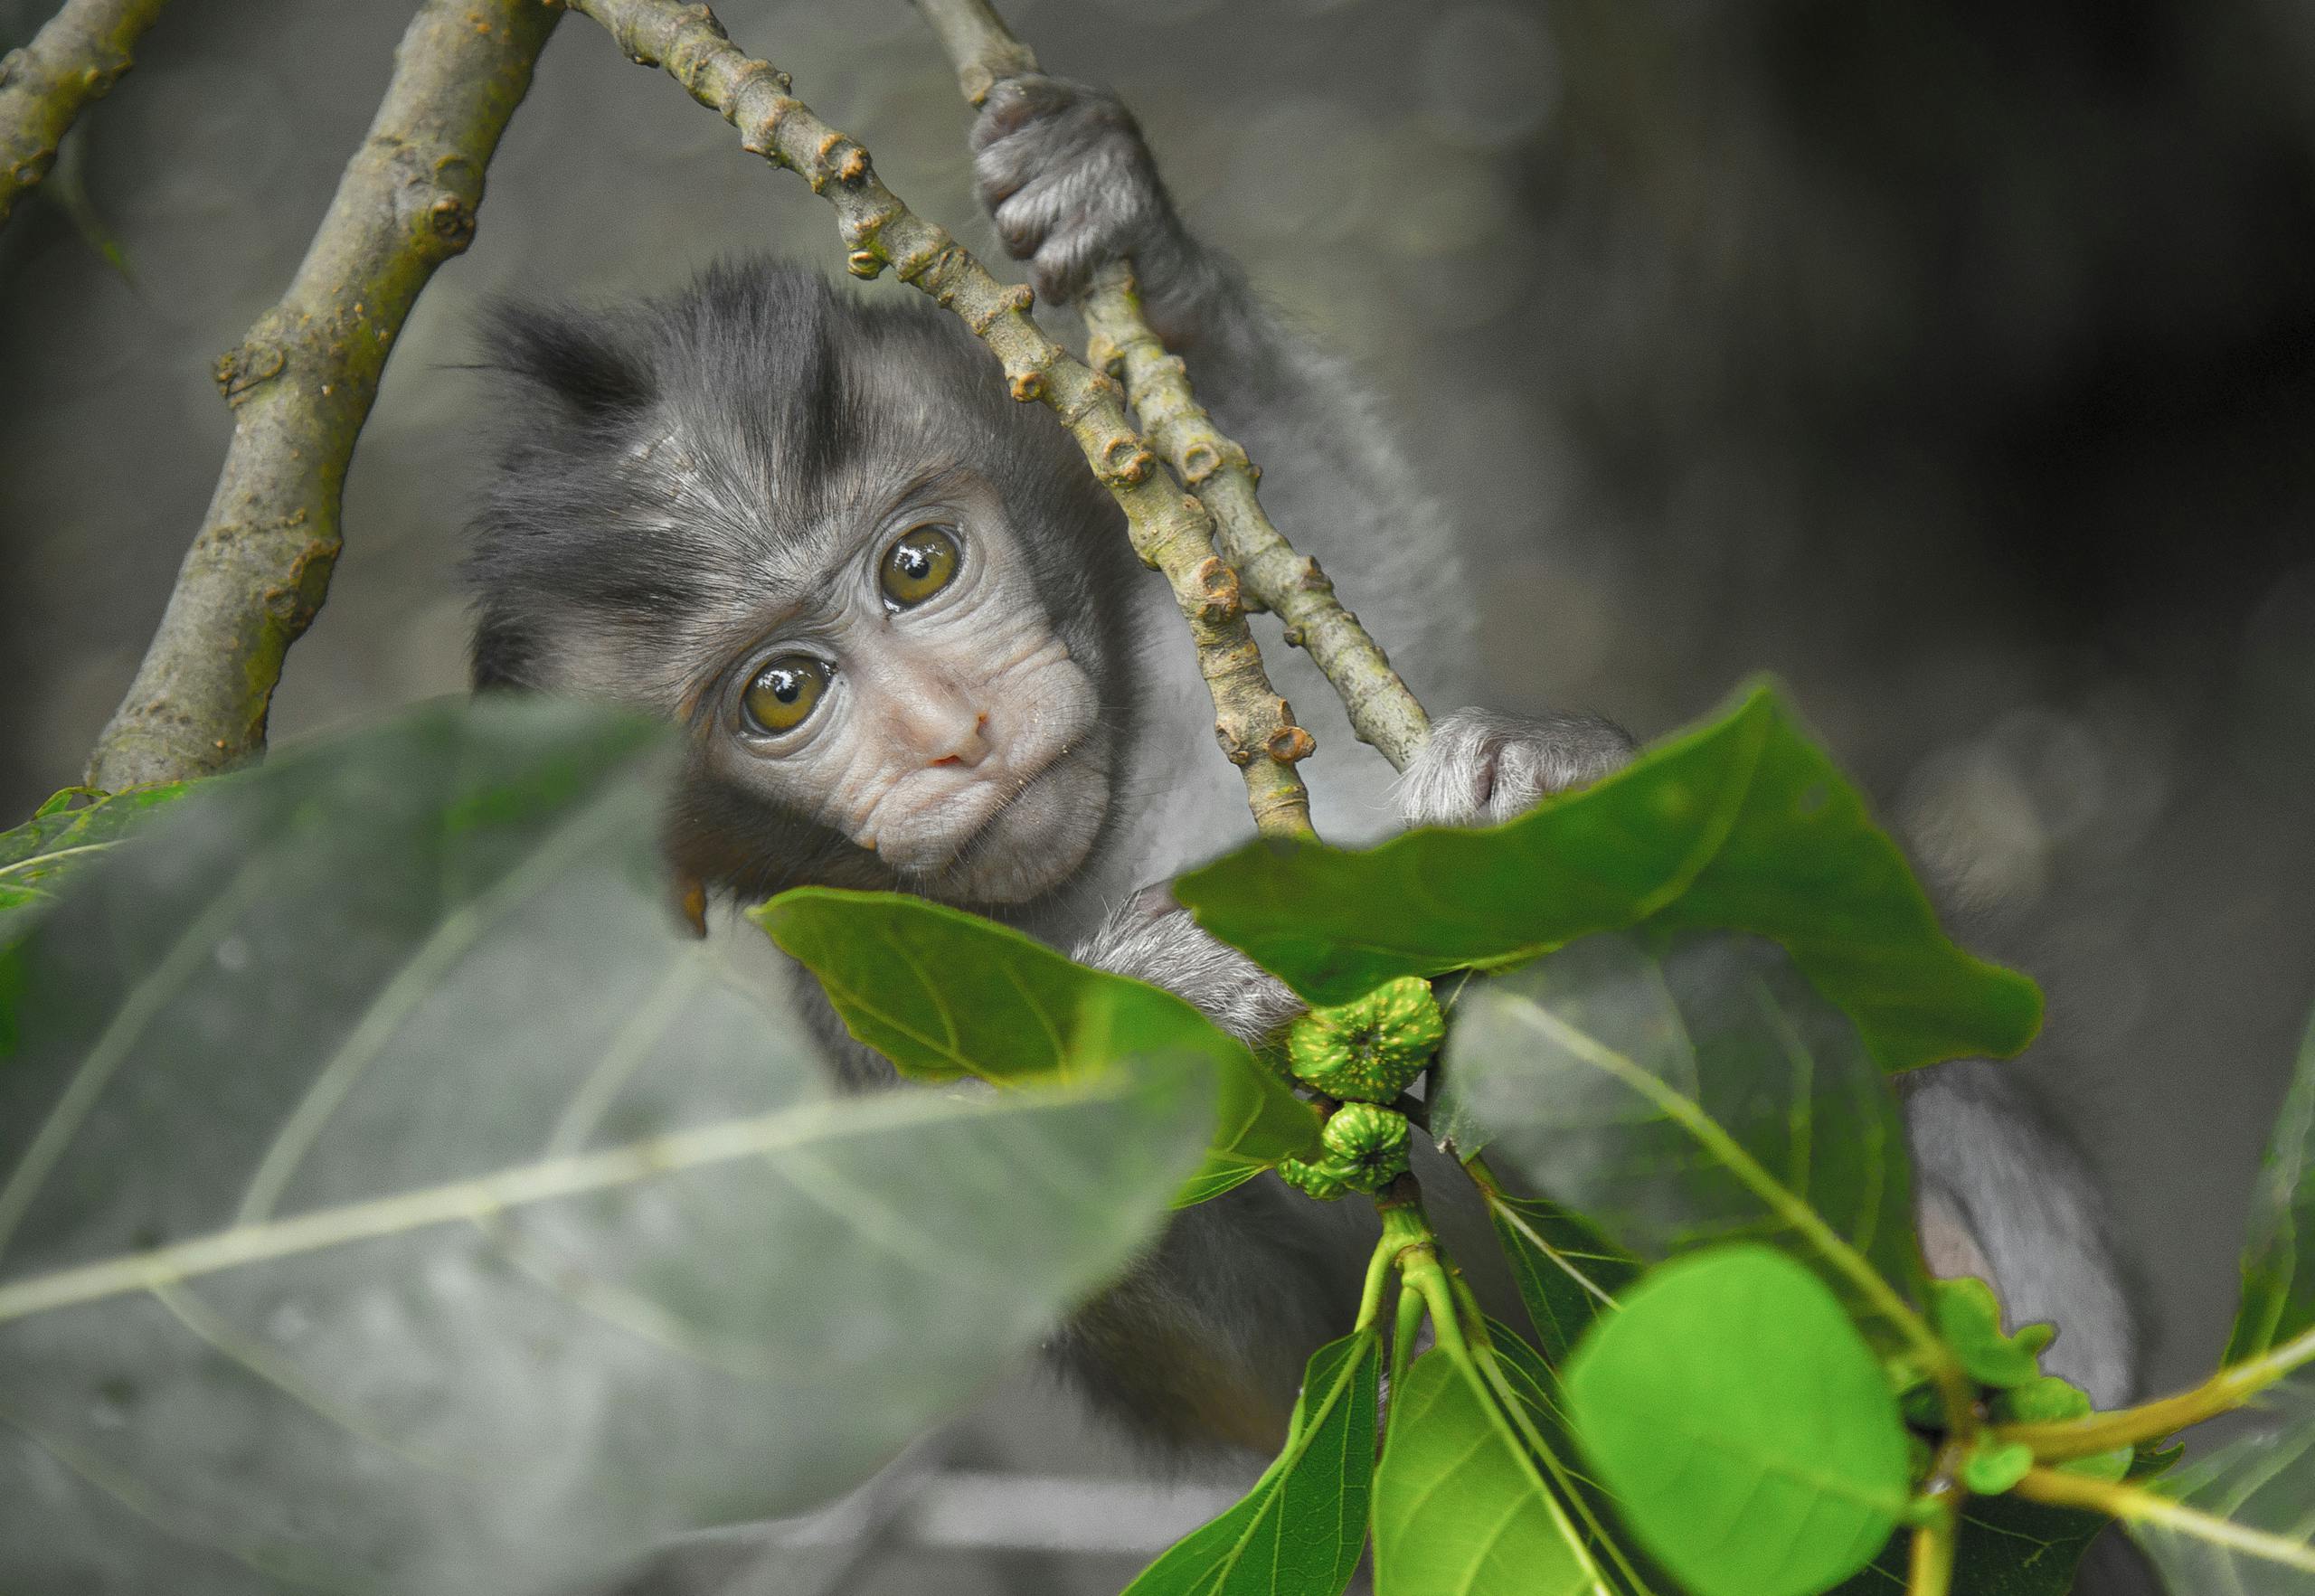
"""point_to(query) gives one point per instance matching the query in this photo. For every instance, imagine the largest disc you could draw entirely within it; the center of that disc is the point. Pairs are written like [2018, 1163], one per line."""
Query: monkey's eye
[785, 692]
[919, 565]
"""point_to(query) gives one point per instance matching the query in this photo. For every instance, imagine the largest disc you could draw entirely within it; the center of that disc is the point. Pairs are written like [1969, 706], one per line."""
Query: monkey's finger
[1016, 102]
[1065, 263]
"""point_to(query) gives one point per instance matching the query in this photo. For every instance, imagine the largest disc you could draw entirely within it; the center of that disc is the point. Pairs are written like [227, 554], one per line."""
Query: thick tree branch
[301, 384]
[1170, 531]
[1383, 712]
[76, 58]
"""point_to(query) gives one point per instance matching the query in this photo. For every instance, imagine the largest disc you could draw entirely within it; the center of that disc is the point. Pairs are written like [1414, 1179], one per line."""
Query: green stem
[2131, 1505]
[1931, 1572]
[2223, 1393]
[1403, 1335]
[1378, 1273]
[1420, 1271]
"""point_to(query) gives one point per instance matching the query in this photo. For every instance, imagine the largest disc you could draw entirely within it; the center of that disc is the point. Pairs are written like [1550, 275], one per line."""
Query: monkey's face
[916, 698]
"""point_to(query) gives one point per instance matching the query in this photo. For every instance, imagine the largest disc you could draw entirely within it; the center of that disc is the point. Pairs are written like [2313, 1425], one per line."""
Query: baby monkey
[909, 647]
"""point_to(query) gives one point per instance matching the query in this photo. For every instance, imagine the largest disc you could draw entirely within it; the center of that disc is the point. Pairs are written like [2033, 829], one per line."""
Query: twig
[1384, 714]
[301, 384]
[1170, 531]
[2135, 1504]
[76, 57]
[2223, 1393]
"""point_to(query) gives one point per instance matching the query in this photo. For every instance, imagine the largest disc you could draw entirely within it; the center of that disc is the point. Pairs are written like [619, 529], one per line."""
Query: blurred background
[1956, 364]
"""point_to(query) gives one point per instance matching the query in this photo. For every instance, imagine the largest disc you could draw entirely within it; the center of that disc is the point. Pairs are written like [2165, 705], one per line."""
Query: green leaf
[393, 1199]
[1460, 1509]
[1537, 1389]
[2279, 1257]
[1683, 1097]
[1300, 1530]
[1568, 1275]
[2008, 1546]
[1967, 1318]
[71, 830]
[1742, 824]
[2247, 1508]
[944, 994]
[1746, 1428]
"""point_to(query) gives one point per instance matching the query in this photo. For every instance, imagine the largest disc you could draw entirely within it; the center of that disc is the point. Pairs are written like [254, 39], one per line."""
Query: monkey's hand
[1066, 177]
[1153, 938]
[1480, 768]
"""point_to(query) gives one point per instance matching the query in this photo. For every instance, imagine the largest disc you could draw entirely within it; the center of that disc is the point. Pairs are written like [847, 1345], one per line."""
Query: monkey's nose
[969, 747]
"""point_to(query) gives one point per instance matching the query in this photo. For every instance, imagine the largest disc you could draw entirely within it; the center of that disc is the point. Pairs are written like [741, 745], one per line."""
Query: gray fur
[2023, 1196]
[1480, 766]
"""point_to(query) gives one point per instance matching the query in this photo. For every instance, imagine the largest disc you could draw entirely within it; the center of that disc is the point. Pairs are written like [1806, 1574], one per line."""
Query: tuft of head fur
[657, 461]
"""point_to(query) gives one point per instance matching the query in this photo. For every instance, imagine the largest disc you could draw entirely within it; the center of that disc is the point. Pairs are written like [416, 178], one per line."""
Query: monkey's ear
[585, 361]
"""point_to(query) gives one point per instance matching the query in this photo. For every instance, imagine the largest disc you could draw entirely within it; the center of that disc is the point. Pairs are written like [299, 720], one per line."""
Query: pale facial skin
[918, 702]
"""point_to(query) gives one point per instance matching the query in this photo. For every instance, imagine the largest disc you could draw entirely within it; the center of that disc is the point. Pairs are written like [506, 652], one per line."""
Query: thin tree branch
[1384, 714]
[76, 58]
[301, 386]
[1170, 531]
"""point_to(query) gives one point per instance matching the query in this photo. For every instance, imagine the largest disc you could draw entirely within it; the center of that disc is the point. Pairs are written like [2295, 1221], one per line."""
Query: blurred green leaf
[1745, 1427]
[1681, 1096]
[1967, 1316]
[392, 1199]
[944, 994]
[2262, 1483]
[68, 832]
[1300, 1530]
[1460, 1509]
[2279, 1257]
[1742, 824]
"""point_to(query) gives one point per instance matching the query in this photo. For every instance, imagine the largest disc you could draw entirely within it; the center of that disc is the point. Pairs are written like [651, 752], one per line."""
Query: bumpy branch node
[301, 384]
[1171, 532]
[1383, 712]
[76, 58]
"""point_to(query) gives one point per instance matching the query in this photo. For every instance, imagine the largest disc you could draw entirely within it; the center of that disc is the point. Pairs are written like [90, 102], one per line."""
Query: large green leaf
[69, 832]
[1461, 1509]
[2263, 1484]
[1744, 1426]
[1300, 1530]
[392, 1199]
[1692, 1094]
[1743, 825]
[2279, 1257]
[944, 994]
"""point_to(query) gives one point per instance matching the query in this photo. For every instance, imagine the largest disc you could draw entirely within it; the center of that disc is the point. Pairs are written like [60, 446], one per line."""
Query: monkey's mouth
[1036, 835]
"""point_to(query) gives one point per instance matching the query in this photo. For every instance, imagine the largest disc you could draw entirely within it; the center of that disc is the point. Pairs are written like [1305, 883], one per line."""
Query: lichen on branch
[76, 57]
[1171, 531]
[301, 384]
[1384, 713]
